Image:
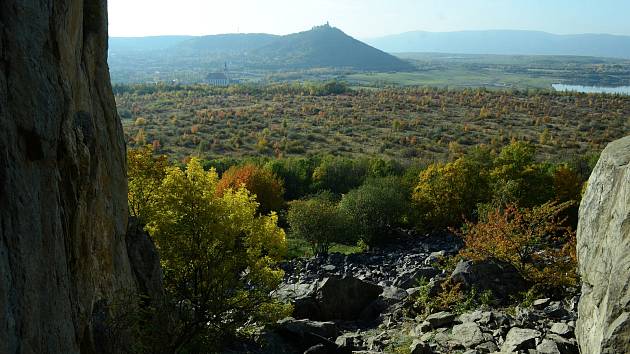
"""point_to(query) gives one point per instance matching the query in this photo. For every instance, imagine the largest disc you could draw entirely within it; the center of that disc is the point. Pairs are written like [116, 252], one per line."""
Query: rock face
[603, 246]
[63, 208]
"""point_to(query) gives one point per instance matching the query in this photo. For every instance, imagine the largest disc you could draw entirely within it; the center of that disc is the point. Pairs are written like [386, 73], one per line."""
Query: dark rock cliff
[63, 209]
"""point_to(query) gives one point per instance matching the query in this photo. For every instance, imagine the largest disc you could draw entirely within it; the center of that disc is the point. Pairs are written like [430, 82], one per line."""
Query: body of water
[624, 90]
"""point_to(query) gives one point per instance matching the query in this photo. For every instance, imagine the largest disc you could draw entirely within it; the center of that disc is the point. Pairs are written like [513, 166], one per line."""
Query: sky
[364, 18]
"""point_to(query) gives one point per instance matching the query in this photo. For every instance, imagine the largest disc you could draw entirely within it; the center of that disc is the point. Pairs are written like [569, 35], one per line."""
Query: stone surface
[420, 347]
[63, 189]
[520, 339]
[603, 248]
[468, 334]
[440, 319]
[502, 279]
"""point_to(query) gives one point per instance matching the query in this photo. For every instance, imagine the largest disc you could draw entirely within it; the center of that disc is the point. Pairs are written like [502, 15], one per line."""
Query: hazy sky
[365, 18]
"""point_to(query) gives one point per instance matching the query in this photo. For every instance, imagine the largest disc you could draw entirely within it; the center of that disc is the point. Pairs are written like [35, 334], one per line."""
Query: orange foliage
[533, 240]
[263, 183]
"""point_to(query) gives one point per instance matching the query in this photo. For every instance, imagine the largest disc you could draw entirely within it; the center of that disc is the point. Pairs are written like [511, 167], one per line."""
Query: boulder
[333, 298]
[603, 249]
[562, 329]
[440, 319]
[412, 278]
[469, 335]
[344, 298]
[520, 339]
[302, 328]
[500, 278]
[420, 347]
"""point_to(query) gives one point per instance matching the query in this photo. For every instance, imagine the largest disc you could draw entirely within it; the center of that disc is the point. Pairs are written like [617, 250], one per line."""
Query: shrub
[375, 208]
[261, 182]
[218, 257]
[533, 240]
[317, 221]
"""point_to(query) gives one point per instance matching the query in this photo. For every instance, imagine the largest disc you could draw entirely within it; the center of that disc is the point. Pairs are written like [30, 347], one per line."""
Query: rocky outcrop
[63, 208]
[603, 247]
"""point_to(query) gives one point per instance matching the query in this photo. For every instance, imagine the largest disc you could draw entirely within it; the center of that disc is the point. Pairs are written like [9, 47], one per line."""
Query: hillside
[320, 47]
[326, 46]
[506, 42]
[143, 44]
[233, 43]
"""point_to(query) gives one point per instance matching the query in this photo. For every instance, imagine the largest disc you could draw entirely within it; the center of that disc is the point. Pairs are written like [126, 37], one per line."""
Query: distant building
[218, 79]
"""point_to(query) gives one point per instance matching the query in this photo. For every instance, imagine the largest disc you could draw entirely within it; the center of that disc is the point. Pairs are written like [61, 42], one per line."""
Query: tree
[375, 208]
[446, 194]
[218, 256]
[518, 179]
[145, 174]
[317, 221]
[261, 182]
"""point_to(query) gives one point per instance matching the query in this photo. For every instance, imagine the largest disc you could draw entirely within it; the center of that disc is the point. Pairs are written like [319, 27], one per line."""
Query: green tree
[375, 208]
[317, 221]
[218, 257]
[145, 174]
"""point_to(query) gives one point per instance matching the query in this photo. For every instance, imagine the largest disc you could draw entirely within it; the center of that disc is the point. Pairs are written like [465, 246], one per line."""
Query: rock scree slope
[63, 206]
[603, 247]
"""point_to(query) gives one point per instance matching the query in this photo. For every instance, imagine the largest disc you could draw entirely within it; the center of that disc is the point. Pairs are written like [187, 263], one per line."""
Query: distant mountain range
[322, 46]
[507, 42]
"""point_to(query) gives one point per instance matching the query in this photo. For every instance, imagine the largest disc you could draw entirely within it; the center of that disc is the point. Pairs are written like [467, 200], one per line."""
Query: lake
[624, 90]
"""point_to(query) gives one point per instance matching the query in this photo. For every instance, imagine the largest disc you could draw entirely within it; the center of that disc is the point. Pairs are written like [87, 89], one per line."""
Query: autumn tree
[534, 240]
[145, 174]
[218, 257]
[261, 182]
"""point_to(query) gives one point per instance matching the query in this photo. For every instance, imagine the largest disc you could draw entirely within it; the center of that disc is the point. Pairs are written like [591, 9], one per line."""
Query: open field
[404, 124]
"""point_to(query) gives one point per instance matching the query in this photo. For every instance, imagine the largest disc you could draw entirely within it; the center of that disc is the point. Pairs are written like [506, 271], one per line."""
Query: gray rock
[468, 334]
[520, 339]
[540, 304]
[556, 310]
[412, 278]
[393, 293]
[565, 346]
[420, 347]
[434, 257]
[547, 346]
[500, 278]
[487, 347]
[318, 349]
[603, 248]
[562, 329]
[440, 319]
[350, 341]
[344, 298]
[422, 328]
[301, 328]
[329, 268]
[63, 186]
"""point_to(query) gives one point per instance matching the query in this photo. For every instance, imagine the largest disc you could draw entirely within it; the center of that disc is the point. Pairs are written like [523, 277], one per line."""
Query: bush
[218, 257]
[375, 208]
[261, 182]
[317, 221]
[533, 240]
